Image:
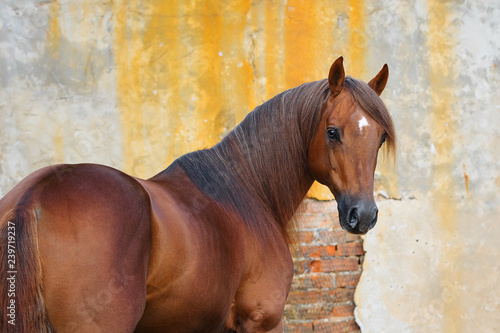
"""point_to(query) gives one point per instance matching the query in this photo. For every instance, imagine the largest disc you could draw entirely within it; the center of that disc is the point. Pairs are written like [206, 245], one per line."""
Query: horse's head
[343, 153]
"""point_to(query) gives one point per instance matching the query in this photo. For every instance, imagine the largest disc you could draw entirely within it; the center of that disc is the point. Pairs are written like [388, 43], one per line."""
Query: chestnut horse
[203, 245]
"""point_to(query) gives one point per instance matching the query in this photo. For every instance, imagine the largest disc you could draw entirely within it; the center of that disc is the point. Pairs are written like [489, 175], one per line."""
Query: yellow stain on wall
[357, 39]
[300, 48]
[236, 77]
[58, 144]
[442, 79]
[129, 58]
[53, 46]
[272, 56]
[300, 42]
[54, 31]
[182, 77]
[149, 82]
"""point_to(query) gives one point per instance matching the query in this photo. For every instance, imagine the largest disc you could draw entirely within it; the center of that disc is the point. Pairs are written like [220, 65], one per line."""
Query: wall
[136, 84]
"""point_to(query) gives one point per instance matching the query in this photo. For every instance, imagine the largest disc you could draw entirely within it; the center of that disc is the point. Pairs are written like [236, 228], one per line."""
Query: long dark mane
[260, 169]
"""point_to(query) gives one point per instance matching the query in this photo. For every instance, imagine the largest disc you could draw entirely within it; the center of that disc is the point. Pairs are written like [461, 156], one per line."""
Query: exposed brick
[315, 266]
[332, 237]
[299, 267]
[312, 251]
[343, 310]
[343, 295]
[314, 312]
[303, 297]
[336, 223]
[334, 264]
[303, 237]
[328, 297]
[335, 296]
[322, 281]
[336, 326]
[298, 328]
[313, 281]
[314, 221]
[347, 280]
[318, 207]
[326, 266]
[331, 250]
[339, 264]
[350, 249]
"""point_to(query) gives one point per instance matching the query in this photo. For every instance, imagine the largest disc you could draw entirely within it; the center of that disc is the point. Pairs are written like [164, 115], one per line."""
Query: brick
[336, 326]
[303, 237]
[333, 237]
[317, 311]
[318, 207]
[336, 223]
[314, 221]
[347, 280]
[313, 281]
[325, 296]
[315, 266]
[331, 250]
[350, 249]
[341, 295]
[336, 264]
[312, 251]
[339, 264]
[303, 297]
[320, 297]
[297, 327]
[336, 296]
[346, 310]
[299, 267]
[322, 281]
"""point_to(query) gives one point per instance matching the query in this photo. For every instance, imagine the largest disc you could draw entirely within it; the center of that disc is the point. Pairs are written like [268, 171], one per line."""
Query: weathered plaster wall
[134, 84]
[432, 262]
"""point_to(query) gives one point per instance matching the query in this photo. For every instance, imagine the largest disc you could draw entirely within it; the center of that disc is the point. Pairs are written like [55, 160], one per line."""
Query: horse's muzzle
[357, 216]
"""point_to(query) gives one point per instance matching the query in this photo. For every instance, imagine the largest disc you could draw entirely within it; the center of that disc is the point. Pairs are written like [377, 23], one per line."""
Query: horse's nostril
[374, 221]
[353, 217]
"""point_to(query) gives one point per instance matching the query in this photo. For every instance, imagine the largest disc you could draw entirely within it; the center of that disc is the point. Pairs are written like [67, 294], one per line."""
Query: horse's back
[93, 235]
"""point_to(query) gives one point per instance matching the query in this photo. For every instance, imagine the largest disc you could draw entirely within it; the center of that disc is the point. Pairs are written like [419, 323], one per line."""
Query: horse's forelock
[372, 104]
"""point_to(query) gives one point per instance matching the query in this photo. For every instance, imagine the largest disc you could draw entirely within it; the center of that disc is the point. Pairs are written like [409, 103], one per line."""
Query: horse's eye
[333, 134]
[384, 136]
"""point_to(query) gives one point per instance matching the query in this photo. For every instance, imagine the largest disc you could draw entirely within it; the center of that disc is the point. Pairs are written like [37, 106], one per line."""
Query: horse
[202, 246]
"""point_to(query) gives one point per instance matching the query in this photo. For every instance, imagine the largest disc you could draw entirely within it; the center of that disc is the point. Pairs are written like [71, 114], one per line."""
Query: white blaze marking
[362, 123]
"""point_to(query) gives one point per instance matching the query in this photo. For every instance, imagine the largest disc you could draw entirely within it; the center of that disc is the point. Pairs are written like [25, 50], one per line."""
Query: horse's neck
[263, 161]
[270, 163]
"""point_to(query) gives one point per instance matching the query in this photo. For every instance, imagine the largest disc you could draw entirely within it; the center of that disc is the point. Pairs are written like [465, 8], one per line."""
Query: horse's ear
[378, 82]
[336, 76]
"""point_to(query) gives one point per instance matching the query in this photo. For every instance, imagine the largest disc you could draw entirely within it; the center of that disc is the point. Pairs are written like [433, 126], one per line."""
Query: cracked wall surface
[135, 84]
